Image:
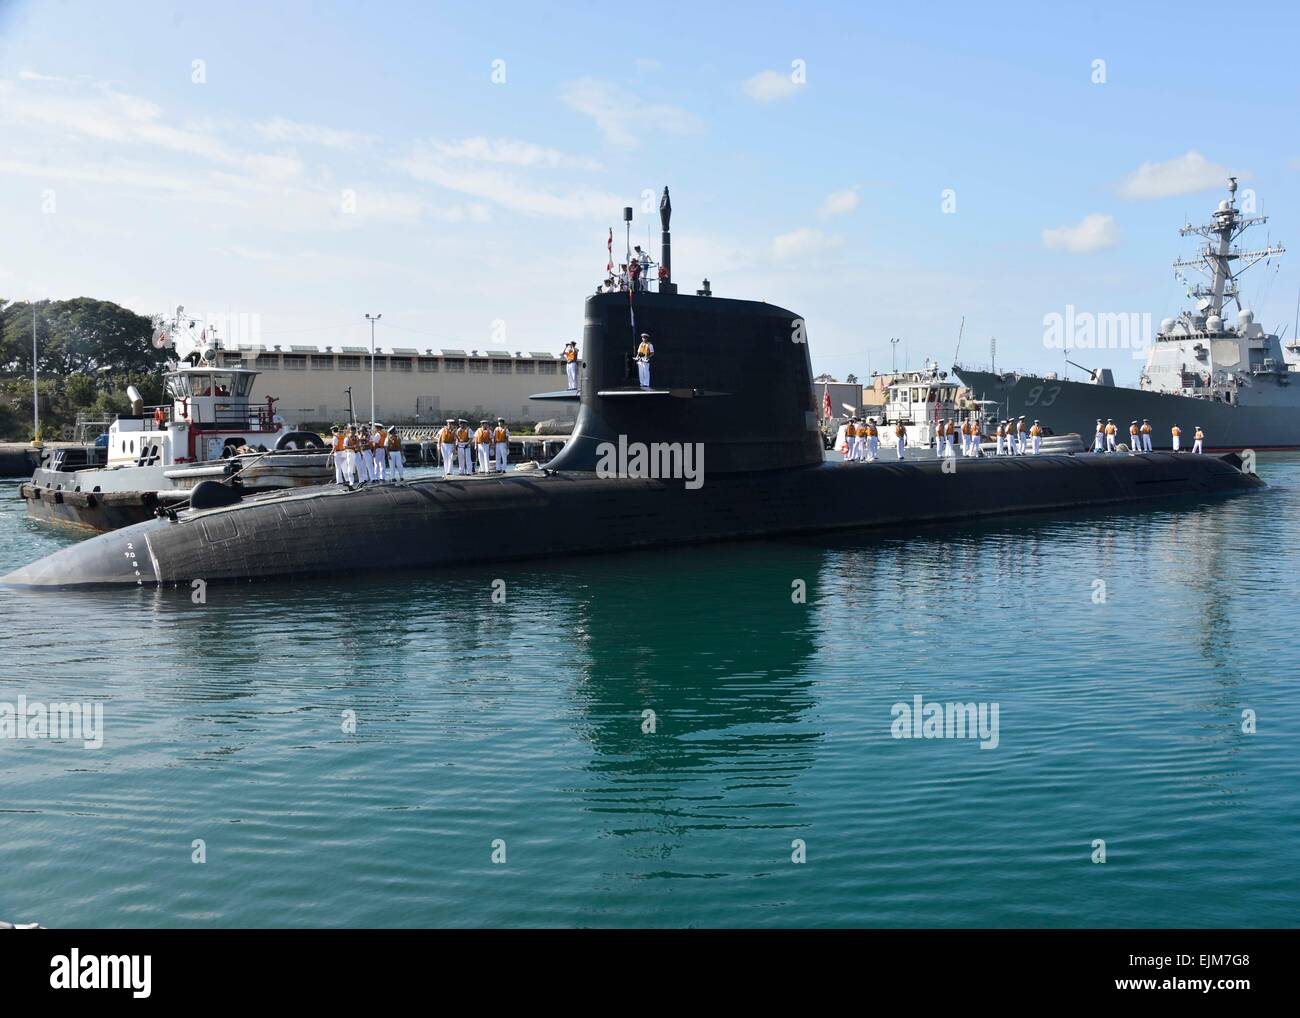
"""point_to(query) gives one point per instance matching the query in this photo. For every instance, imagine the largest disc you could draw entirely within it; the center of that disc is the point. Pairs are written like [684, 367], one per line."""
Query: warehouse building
[411, 387]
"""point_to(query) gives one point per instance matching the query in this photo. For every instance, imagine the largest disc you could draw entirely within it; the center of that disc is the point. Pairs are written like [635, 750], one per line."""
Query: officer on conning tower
[570, 356]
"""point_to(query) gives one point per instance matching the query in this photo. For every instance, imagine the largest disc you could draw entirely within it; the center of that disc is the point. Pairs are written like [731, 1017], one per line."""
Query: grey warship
[1238, 382]
[763, 475]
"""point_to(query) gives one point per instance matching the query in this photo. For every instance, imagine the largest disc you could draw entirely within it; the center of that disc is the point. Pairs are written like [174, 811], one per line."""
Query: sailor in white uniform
[379, 453]
[873, 440]
[1022, 436]
[1099, 441]
[1145, 432]
[447, 446]
[644, 351]
[900, 439]
[1036, 437]
[337, 444]
[1198, 438]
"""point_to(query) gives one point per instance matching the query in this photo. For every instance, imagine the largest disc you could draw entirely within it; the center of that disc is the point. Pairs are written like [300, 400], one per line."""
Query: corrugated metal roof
[305, 349]
[542, 356]
[497, 353]
[406, 351]
[453, 353]
[355, 349]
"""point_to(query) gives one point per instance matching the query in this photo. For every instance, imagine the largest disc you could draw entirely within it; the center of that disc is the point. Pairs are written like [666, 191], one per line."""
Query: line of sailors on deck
[1139, 437]
[367, 454]
[459, 447]
[1011, 438]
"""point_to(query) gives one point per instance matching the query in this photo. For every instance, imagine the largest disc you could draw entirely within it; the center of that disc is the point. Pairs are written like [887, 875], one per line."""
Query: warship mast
[1216, 258]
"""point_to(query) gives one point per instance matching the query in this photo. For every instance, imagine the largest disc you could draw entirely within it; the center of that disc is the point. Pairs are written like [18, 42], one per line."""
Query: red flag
[609, 265]
[826, 402]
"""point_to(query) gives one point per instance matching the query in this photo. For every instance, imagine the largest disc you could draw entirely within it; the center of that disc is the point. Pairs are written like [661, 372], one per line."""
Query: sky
[883, 170]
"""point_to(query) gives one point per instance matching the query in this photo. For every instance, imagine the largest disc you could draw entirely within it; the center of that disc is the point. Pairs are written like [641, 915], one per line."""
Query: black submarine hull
[323, 531]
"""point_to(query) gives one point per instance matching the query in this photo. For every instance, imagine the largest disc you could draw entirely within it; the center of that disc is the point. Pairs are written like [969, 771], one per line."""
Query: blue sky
[337, 159]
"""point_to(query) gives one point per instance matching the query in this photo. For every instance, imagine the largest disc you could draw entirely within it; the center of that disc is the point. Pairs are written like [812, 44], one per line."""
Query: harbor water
[696, 737]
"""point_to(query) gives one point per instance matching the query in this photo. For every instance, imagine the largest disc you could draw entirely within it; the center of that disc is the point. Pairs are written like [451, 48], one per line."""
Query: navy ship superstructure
[1235, 380]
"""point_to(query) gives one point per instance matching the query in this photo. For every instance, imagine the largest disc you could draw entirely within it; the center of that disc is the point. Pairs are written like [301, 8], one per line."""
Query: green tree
[79, 335]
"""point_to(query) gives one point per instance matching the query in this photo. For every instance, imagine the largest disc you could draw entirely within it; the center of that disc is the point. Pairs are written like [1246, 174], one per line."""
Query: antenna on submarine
[666, 284]
[627, 224]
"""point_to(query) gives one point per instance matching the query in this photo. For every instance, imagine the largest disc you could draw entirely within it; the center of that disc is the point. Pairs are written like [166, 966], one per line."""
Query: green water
[523, 722]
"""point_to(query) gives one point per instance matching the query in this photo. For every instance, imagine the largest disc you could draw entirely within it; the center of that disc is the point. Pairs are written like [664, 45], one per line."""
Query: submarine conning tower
[733, 375]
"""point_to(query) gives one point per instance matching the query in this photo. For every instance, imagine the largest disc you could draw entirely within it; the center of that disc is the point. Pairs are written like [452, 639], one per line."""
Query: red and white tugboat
[211, 430]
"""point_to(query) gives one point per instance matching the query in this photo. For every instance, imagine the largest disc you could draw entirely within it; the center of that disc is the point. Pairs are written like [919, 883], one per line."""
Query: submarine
[723, 444]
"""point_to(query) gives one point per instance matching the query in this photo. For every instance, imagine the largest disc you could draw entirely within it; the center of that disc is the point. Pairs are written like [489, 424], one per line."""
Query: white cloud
[839, 203]
[108, 115]
[623, 117]
[471, 177]
[285, 131]
[802, 243]
[512, 153]
[770, 86]
[1185, 174]
[1094, 233]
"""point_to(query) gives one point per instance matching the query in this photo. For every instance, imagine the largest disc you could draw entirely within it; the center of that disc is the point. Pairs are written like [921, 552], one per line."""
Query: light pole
[372, 319]
[893, 356]
[36, 405]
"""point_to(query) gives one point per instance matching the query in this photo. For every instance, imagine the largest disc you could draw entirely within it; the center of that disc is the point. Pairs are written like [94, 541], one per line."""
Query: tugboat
[210, 431]
[1239, 383]
[665, 452]
[919, 400]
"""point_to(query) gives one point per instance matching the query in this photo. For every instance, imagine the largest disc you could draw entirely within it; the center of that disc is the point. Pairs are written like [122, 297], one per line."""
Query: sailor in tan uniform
[501, 443]
[482, 445]
[462, 447]
[447, 446]
[570, 356]
[644, 351]
[396, 458]
[363, 454]
[352, 448]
